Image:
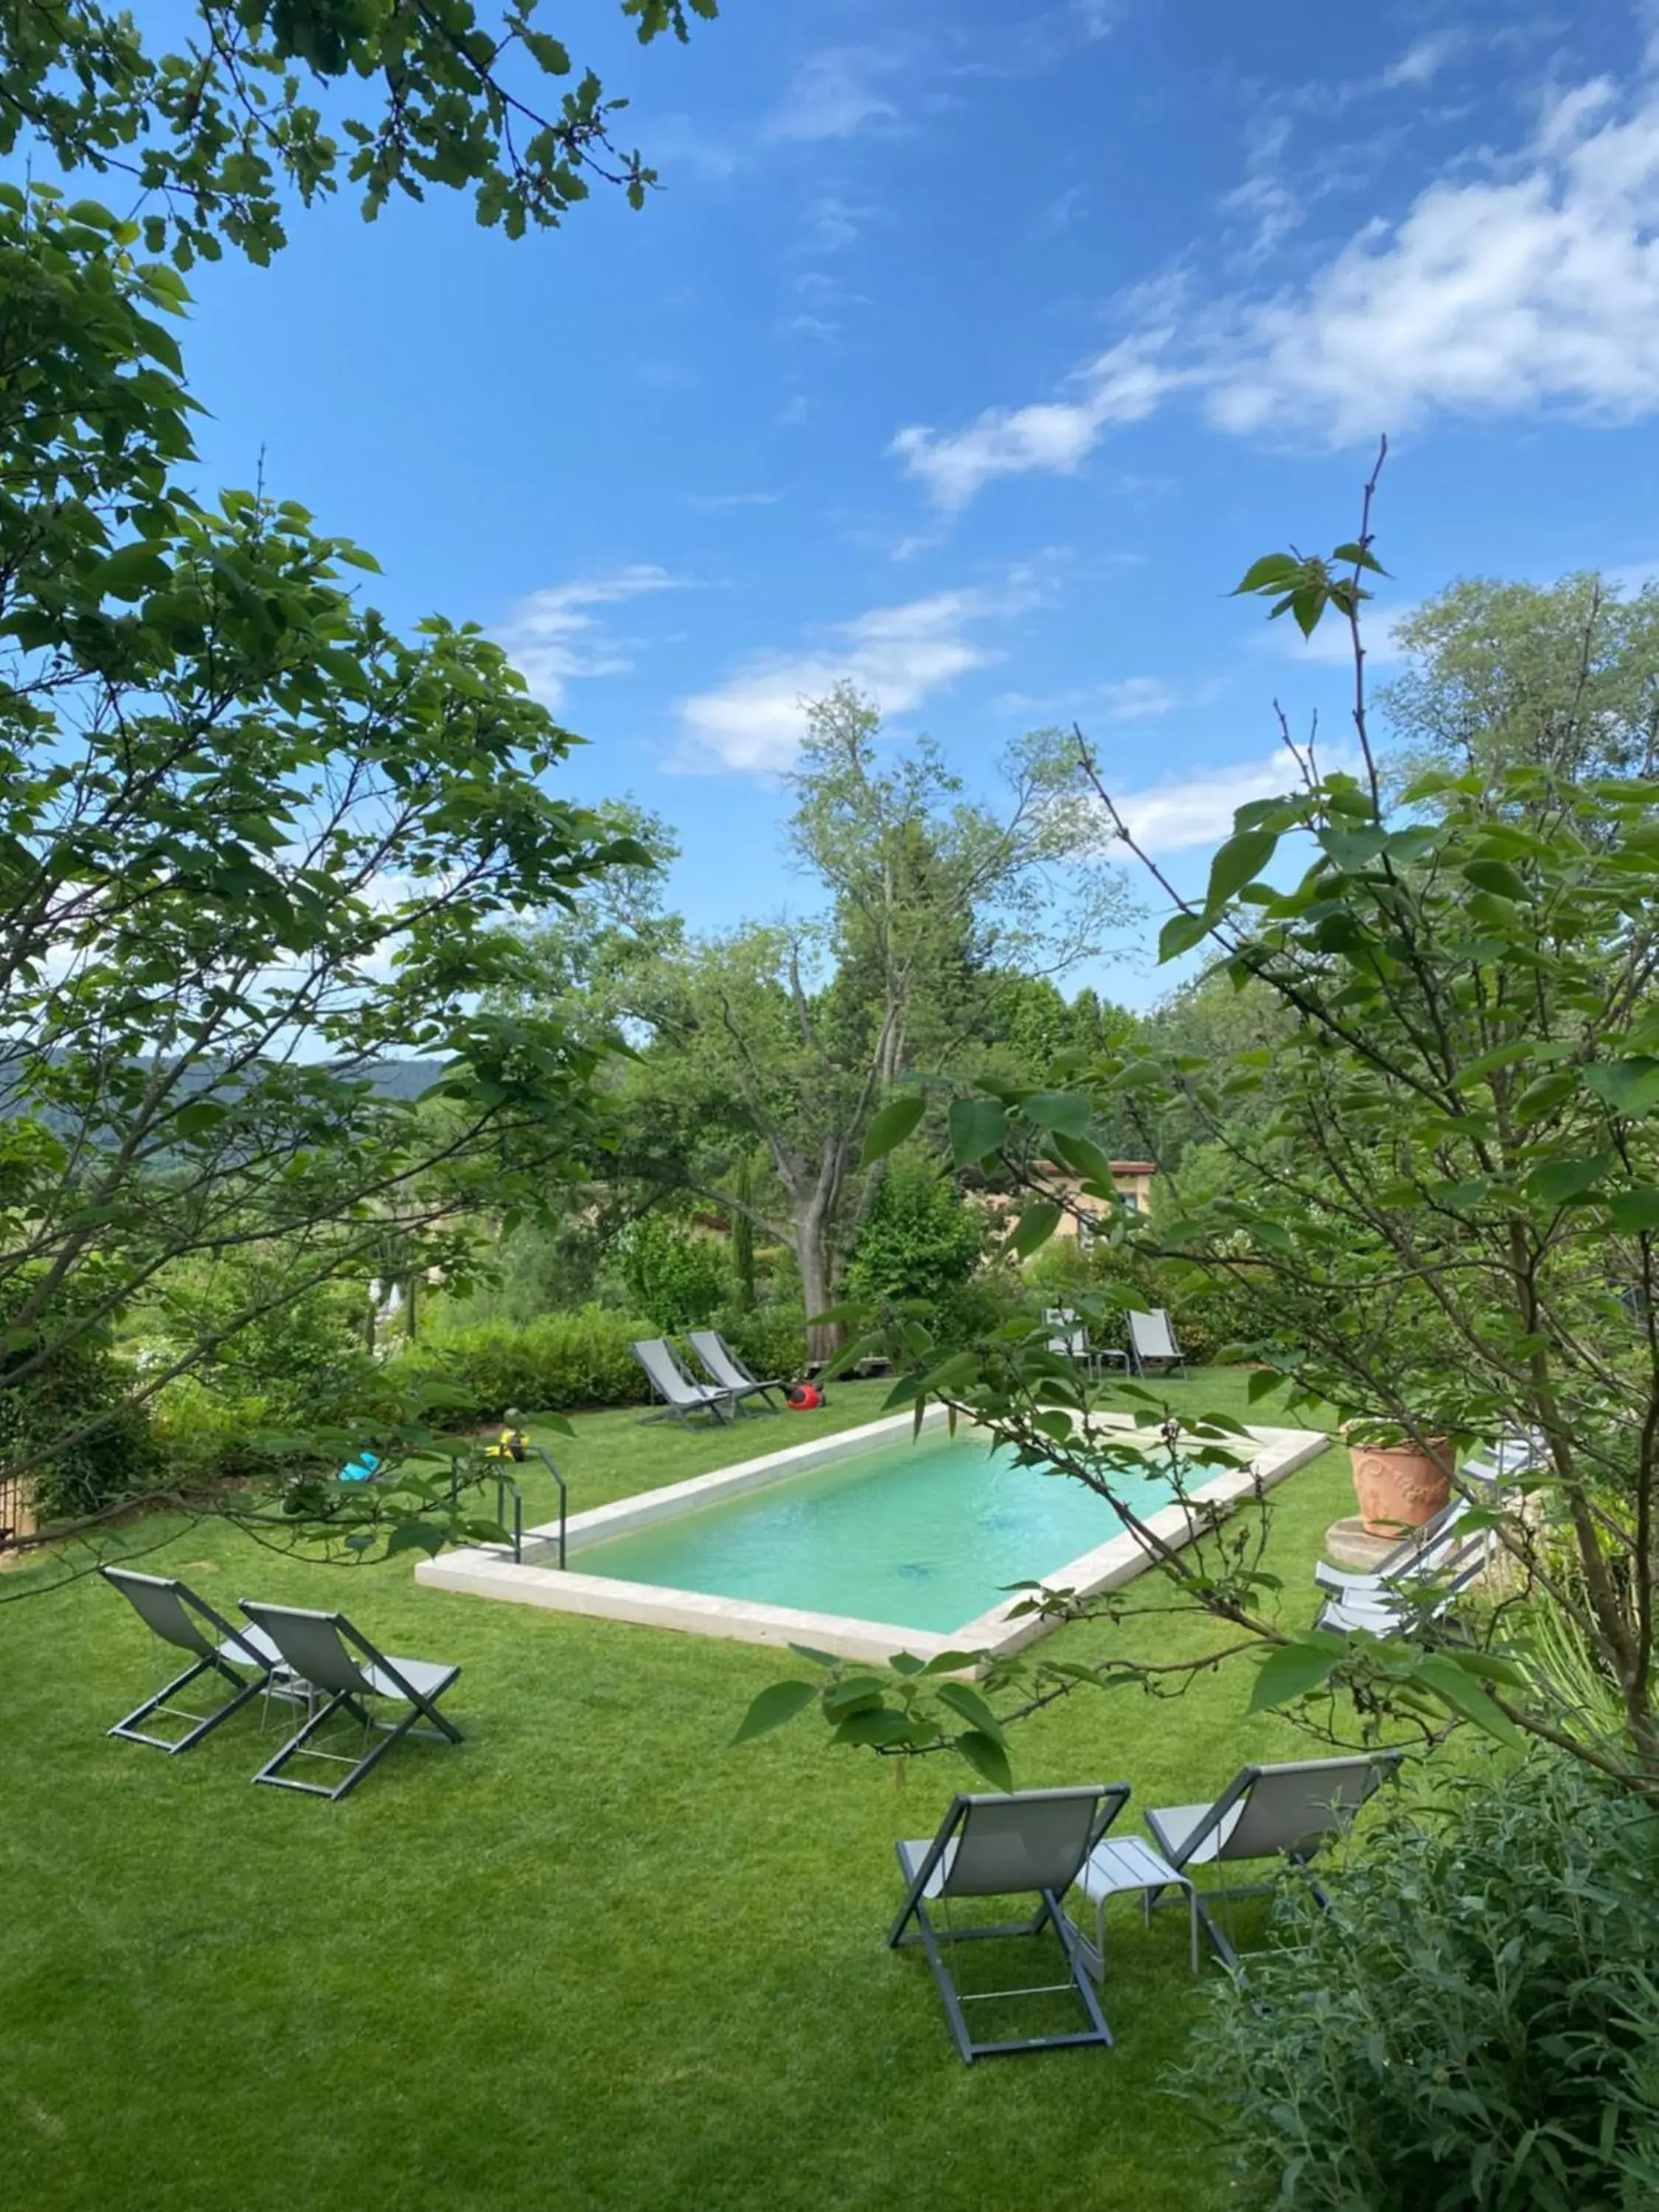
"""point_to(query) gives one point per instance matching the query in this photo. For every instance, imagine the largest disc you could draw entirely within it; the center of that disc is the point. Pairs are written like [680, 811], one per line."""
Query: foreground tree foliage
[252, 843]
[1443, 1202]
[213, 134]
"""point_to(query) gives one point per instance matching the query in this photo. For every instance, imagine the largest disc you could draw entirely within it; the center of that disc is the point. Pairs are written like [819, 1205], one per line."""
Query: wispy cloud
[721, 502]
[837, 93]
[1120, 699]
[1331, 645]
[555, 636]
[899, 655]
[1533, 284]
[1423, 60]
[1057, 436]
[1174, 817]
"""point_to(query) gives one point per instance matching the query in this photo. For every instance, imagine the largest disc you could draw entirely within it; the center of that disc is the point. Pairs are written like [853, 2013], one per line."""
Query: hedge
[580, 1362]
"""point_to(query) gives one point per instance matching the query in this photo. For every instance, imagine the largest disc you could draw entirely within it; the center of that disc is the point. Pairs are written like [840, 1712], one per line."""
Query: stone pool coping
[487, 1572]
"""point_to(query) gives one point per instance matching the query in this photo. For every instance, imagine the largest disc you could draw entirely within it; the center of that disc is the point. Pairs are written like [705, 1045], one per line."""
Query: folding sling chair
[1266, 1812]
[1152, 1345]
[174, 1612]
[325, 1649]
[1023, 1842]
[729, 1372]
[681, 1396]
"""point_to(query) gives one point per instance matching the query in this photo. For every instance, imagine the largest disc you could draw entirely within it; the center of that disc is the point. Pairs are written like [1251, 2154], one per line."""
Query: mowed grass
[593, 1957]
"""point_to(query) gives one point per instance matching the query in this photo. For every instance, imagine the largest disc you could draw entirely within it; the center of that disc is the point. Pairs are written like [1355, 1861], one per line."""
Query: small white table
[1123, 1863]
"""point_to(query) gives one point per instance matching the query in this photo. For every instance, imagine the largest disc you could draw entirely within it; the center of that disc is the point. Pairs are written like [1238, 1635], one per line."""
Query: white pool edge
[488, 1573]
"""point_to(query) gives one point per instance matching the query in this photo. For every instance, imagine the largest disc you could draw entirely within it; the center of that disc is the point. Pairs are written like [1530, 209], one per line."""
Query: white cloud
[1172, 817]
[834, 94]
[1531, 285]
[1331, 645]
[720, 502]
[554, 635]
[1422, 61]
[1137, 699]
[1097, 19]
[1123, 385]
[898, 655]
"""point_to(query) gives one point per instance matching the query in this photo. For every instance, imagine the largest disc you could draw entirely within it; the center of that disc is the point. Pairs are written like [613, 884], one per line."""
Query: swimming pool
[926, 1533]
[861, 1544]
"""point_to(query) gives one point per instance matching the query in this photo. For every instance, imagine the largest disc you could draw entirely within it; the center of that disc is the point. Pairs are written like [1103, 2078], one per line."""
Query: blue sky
[973, 352]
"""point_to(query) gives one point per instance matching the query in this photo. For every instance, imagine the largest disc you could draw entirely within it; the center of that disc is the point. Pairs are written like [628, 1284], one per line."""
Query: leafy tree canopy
[214, 132]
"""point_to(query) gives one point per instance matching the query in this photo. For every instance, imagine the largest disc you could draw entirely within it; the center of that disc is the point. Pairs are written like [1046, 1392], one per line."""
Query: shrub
[919, 1239]
[1474, 2026]
[770, 1339]
[580, 1362]
[678, 1278]
[118, 1460]
[303, 1359]
[561, 1362]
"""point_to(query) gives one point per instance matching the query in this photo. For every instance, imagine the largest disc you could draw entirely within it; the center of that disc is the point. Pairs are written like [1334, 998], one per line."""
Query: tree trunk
[824, 1342]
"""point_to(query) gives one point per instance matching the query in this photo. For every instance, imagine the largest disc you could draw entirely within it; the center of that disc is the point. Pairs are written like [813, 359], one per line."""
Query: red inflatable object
[803, 1397]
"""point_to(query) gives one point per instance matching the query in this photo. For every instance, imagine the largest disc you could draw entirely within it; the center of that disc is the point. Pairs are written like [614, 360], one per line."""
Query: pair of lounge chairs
[1047, 1842]
[1422, 1578]
[1152, 1348]
[723, 1397]
[287, 1651]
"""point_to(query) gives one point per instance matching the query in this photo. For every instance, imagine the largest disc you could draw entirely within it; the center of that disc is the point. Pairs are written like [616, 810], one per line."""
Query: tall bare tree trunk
[824, 1340]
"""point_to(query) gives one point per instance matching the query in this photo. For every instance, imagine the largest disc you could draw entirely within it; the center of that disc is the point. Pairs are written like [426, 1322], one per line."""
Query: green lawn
[591, 1958]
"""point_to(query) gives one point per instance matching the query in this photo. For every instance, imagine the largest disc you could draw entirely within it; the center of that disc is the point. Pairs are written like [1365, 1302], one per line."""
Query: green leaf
[1036, 1225]
[878, 1727]
[1288, 1672]
[1443, 1674]
[1271, 573]
[1180, 934]
[1558, 1180]
[1237, 863]
[778, 1702]
[415, 1536]
[978, 1127]
[814, 1658]
[952, 1663]
[1633, 1211]
[1359, 557]
[1262, 1383]
[982, 1753]
[891, 1126]
[1070, 1111]
[972, 1709]
[1084, 1157]
[853, 1695]
[1497, 877]
[1629, 1087]
[129, 571]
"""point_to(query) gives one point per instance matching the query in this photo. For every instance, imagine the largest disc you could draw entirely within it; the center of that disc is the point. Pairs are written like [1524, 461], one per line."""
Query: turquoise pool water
[926, 1534]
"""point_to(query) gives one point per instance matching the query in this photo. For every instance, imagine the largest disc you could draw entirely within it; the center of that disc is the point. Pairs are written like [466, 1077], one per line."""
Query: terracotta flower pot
[1398, 1487]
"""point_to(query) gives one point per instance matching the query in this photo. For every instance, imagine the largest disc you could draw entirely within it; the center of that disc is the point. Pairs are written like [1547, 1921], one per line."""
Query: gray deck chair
[244, 1658]
[325, 1649]
[1152, 1344]
[1020, 1843]
[728, 1372]
[681, 1394]
[1266, 1812]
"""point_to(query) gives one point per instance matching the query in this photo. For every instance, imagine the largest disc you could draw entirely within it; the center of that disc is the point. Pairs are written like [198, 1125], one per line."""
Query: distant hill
[401, 1079]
